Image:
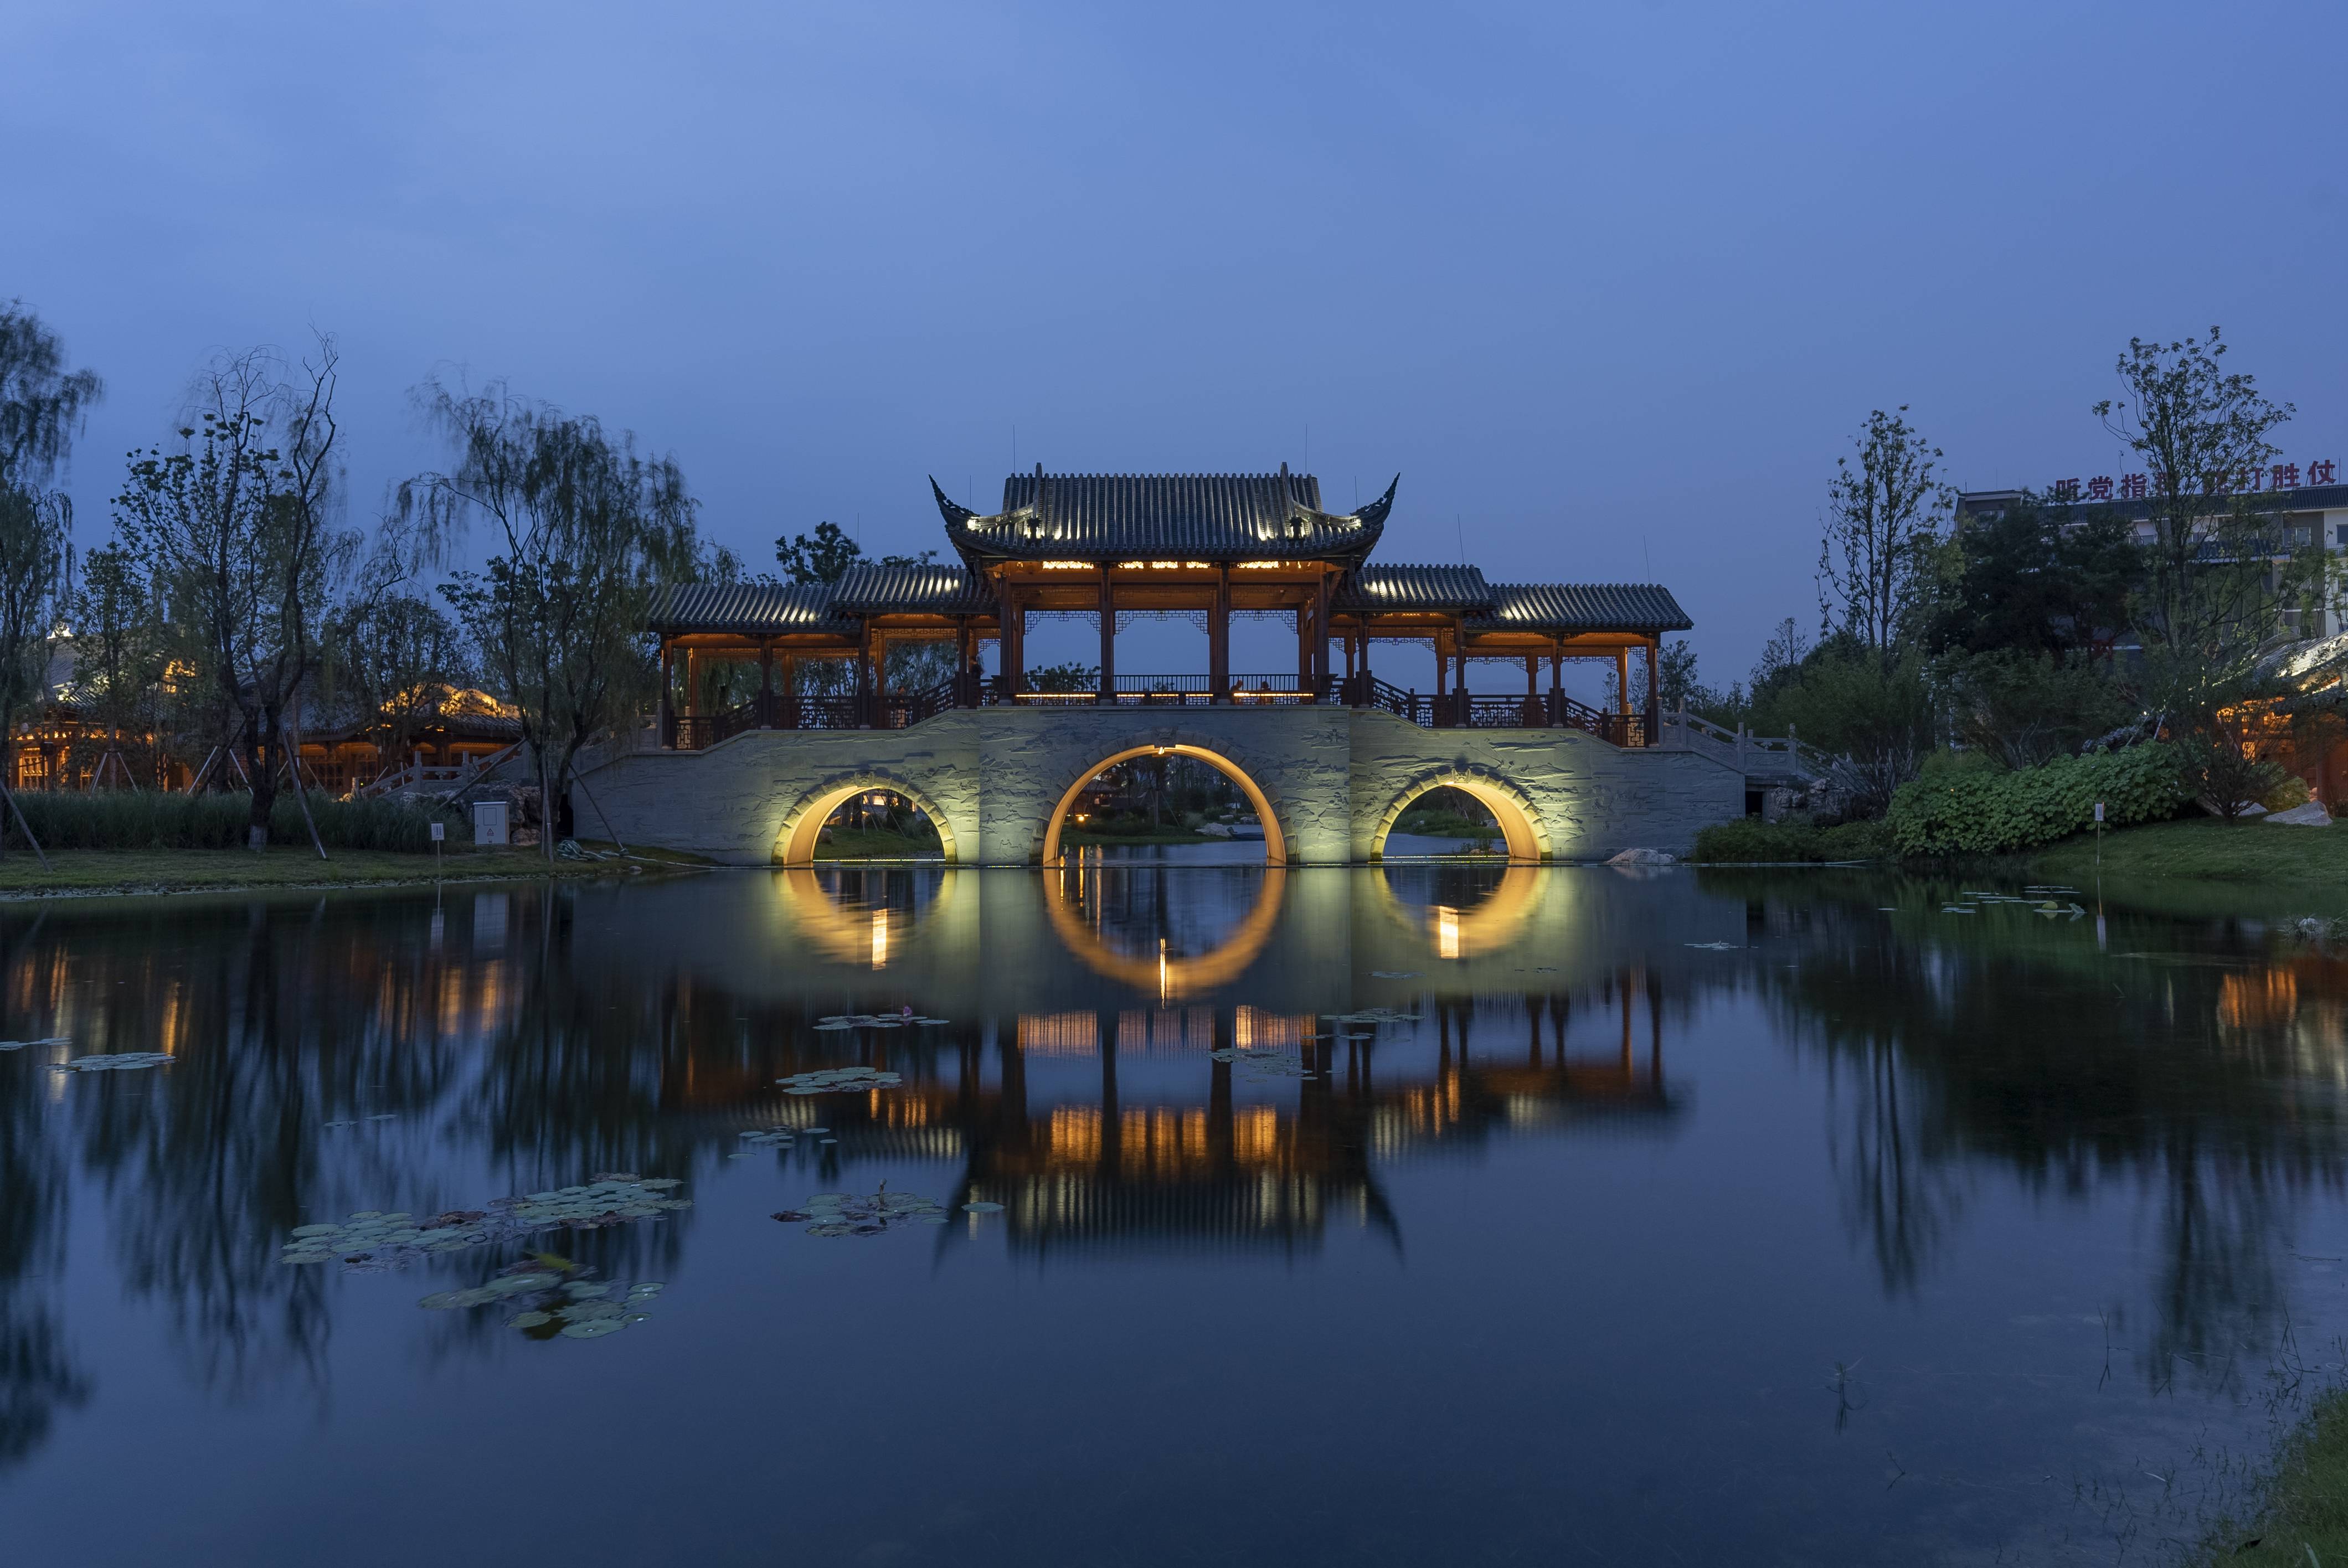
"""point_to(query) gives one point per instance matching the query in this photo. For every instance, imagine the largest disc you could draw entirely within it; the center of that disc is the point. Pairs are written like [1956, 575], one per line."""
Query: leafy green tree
[120, 643]
[2036, 579]
[239, 523]
[1884, 517]
[823, 558]
[392, 658]
[2025, 708]
[1845, 699]
[1069, 677]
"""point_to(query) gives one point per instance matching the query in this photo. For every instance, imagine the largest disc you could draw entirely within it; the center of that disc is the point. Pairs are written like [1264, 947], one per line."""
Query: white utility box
[489, 822]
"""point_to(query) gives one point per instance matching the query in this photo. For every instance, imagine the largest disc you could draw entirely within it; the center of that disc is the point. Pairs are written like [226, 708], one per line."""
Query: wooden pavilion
[1213, 546]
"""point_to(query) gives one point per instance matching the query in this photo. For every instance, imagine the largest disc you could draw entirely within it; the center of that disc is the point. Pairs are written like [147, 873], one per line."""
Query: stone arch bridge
[1327, 782]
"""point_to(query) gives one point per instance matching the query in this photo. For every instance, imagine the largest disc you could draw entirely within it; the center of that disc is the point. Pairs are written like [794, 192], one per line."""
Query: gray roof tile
[747, 609]
[1570, 607]
[1189, 516]
[1400, 589]
[929, 589]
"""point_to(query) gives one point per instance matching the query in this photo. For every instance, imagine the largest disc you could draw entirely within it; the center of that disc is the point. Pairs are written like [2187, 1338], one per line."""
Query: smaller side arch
[1521, 821]
[803, 820]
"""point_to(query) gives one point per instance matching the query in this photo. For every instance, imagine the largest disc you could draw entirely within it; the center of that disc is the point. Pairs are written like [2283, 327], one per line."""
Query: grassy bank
[101, 871]
[2305, 1515]
[2204, 848]
[876, 844]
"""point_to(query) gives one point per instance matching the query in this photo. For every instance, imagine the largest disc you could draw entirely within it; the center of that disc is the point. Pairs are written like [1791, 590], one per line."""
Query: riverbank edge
[2302, 1515]
[147, 874]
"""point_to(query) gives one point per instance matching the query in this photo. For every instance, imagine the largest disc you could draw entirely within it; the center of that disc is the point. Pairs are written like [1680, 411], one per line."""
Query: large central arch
[803, 821]
[1520, 820]
[1275, 841]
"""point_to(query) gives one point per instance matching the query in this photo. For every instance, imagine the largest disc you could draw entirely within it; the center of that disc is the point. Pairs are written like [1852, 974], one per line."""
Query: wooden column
[1622, 680]
[1321, 636]
[765, 683]
[1304, 648]
[1108, 639]
[1654, 685]
[692, 682]
[667, 697]
[790, 718]
[864, 675]
[1219, 640]
[1014, 640]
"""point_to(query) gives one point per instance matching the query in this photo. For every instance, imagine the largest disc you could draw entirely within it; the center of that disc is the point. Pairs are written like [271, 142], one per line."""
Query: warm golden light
[879, 939]
[1065, 565]
[1446, 931]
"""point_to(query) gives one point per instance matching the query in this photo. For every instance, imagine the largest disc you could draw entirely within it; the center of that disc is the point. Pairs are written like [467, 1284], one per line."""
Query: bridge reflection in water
[1096, 1077]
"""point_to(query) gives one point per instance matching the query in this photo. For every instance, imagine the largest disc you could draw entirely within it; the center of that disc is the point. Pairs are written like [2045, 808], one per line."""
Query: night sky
[1611, 287]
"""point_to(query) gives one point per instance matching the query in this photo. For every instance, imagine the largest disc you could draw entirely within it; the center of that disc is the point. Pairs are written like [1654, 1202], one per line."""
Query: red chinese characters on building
[2248, 479]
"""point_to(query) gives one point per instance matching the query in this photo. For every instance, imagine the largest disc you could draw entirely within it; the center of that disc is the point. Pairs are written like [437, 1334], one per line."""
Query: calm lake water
[1659, 1217]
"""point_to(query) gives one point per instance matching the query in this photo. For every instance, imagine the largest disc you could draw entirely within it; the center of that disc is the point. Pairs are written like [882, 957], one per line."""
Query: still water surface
[1667, 1216]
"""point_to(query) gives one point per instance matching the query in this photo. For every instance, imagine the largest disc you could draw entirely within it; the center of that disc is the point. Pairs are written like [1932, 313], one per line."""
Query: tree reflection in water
[1955, 1046]
[522, 1038]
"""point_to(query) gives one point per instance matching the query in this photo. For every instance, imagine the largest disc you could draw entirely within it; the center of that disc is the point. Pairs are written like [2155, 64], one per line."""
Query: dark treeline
[2051, 624]
[235, 600]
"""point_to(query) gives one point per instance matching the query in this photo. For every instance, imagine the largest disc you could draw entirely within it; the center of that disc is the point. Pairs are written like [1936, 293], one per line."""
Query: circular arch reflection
[1164, 973]
[860, 934]
[1490, 924]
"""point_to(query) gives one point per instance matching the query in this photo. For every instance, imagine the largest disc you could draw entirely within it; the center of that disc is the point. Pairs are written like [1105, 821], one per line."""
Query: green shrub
[1991, 814]
[1752, 840]
[152, 819]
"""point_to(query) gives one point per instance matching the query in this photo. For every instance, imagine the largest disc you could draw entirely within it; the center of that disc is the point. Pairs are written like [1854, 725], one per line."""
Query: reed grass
[153, 819]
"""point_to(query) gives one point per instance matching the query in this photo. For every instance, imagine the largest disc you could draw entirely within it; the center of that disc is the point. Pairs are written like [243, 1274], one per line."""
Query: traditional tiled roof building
[1214, 546]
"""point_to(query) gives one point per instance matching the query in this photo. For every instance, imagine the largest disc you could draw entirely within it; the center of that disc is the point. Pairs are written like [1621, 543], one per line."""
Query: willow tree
[584, 533]
[239, 525]
[42, 405]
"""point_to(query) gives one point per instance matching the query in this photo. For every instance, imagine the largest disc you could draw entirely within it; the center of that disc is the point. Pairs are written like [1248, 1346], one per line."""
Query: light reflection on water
[1657, 1213]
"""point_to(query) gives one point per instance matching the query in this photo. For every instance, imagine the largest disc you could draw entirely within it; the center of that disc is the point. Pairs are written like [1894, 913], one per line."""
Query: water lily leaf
[593, 1328]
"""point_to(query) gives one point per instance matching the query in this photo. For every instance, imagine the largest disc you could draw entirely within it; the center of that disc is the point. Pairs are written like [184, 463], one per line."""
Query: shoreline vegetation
[2303, 1515]
[131, 872]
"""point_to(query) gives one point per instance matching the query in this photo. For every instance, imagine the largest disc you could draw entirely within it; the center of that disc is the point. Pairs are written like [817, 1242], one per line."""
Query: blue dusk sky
[1610, 286]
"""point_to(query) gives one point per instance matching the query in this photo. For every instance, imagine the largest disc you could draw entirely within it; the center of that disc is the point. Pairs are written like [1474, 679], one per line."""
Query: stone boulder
[2311, 815]
[1641, 858]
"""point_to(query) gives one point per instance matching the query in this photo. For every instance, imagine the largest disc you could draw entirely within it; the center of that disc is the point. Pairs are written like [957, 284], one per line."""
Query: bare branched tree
[239, 525]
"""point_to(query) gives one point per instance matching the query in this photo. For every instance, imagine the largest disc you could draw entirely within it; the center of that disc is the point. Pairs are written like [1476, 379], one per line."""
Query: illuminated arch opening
[1275, 842]
[803, 822]
[1520, 825]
